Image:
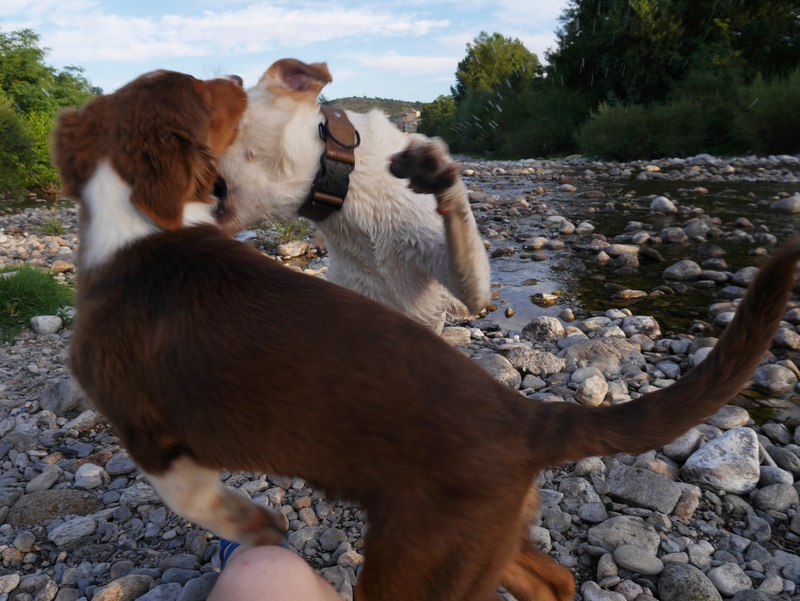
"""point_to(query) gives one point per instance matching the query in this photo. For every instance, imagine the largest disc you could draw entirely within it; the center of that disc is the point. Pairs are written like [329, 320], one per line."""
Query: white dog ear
[291, 77]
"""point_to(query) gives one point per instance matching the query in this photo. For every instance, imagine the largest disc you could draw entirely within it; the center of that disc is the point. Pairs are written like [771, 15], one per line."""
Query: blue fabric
[226, 547]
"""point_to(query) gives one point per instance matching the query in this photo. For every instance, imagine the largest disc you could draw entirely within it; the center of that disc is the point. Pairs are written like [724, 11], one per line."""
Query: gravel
[713, 515]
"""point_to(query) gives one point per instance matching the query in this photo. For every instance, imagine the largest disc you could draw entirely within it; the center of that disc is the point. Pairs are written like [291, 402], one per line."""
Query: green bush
[676, 129]
[679, 128]
[617, 132]
[771, 117]
[26, 292]
[15, 150]
[544, 121]
[40, 175]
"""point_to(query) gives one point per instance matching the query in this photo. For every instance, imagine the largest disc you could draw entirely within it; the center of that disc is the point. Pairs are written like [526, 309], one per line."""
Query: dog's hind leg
[195, 492]
[463, 266]
[534, 576]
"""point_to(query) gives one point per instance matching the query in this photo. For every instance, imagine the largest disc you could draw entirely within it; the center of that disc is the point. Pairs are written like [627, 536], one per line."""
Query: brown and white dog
[419, 253]
[180, 341]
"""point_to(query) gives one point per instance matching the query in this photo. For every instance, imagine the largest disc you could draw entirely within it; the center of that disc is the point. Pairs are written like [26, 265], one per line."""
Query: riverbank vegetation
[31, 96]
[634, 78]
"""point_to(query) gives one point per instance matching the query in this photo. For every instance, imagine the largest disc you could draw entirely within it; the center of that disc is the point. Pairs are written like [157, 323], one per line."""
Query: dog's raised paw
[254, 523]
[427, 166]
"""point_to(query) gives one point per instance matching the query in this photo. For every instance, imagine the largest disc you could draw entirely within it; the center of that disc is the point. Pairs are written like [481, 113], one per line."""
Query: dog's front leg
[463, 266]
[195, 492]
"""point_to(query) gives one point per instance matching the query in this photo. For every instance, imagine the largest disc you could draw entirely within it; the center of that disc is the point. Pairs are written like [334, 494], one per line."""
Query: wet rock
[683, 270]
[543, 329]
[786, 206]
[661, 204]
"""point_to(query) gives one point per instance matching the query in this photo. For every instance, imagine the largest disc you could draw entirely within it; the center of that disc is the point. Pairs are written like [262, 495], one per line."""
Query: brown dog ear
[75, 144]
[174, 173]
[163, 153]
[291, 77]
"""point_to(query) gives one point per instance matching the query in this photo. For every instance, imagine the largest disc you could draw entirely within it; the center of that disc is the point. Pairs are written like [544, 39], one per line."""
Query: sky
[406, 51]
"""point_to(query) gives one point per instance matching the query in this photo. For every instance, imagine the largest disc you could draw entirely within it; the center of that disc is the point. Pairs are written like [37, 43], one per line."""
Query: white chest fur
[114, 222]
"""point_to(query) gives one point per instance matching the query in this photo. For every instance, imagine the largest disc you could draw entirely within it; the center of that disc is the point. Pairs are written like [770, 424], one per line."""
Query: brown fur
[197, 346]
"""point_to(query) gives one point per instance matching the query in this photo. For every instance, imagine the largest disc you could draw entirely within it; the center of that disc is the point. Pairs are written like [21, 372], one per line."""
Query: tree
[438, 117]
[35, 93]
[490, 62]
[15, 148]
[635, 51]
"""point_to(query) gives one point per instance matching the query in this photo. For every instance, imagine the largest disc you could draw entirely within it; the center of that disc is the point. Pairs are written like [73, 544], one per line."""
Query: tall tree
[636, 50]
[438, 117]
[35, 92]
[490, 62]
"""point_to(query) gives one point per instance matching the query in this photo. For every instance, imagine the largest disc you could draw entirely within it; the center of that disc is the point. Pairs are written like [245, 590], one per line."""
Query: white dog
[413, 246]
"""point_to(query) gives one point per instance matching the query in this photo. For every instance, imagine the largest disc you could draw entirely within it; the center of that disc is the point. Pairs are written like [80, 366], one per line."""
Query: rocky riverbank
[713, 515]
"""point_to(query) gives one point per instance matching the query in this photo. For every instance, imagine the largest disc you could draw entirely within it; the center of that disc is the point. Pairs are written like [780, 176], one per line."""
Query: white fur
[387, 242]
[198, 213]
[113, 221]
[195, 492]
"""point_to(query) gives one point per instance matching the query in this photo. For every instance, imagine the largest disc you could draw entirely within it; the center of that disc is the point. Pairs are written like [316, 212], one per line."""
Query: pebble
[96, 530]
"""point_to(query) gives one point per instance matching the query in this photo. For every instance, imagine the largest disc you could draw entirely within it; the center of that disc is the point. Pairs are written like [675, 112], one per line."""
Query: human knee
[262, 574]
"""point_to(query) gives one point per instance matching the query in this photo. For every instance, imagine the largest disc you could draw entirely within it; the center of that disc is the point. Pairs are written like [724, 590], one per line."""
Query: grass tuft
[26, 292]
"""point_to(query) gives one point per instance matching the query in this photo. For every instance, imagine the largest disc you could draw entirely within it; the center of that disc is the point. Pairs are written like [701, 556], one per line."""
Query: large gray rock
[643, 488]
[682, 582]
[624, 530]
[72, 532]
[48, 504]
[609, 355]
[683, 270]
[127, 588]
[729, 463]
[64, 397]
[500, 369]
[774, 379]
[538, 363]
[786, 206]
[543, 328]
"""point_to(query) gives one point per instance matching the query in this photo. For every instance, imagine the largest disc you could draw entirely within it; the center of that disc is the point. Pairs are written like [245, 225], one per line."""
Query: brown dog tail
[657, 418]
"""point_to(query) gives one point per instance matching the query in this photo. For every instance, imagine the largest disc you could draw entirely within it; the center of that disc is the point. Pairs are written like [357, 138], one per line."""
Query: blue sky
[407, 51]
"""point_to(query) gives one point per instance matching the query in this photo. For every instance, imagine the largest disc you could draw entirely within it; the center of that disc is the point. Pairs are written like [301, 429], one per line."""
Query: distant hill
[364, 105]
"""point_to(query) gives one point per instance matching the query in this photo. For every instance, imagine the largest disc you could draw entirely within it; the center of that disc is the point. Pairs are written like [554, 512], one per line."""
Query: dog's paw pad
[427, 166]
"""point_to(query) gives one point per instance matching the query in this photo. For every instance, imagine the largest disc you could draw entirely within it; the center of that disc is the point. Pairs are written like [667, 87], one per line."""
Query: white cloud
[255, 28]
[405, 65]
